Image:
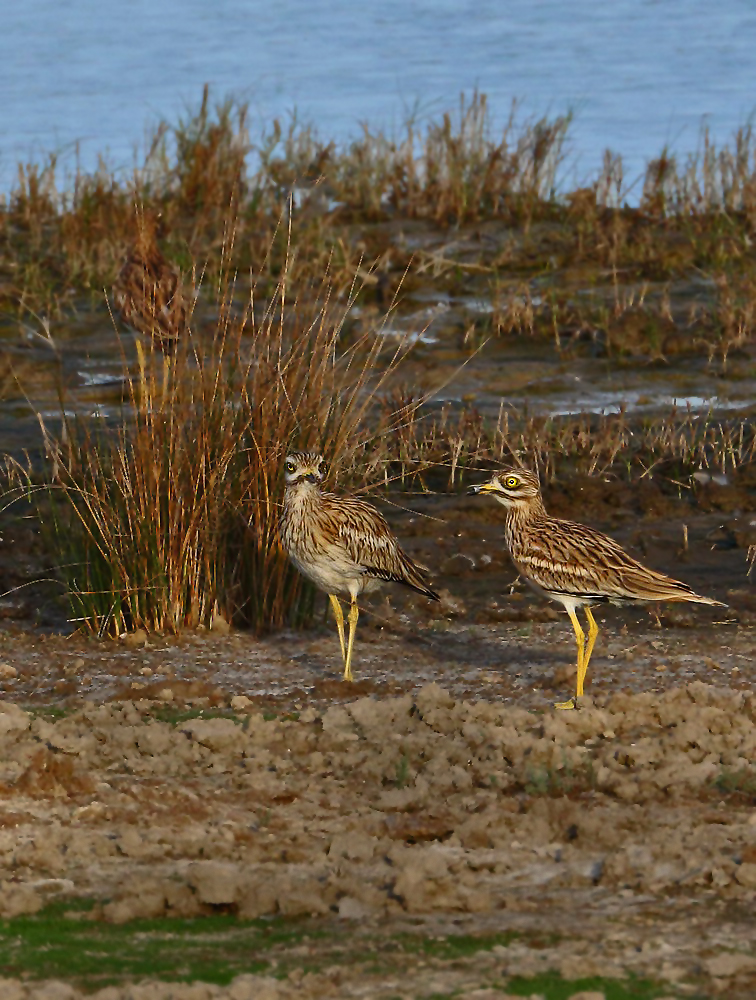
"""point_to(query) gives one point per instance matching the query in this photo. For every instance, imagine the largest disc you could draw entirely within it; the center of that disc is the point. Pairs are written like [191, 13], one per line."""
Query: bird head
[512, 487]
[304, 467]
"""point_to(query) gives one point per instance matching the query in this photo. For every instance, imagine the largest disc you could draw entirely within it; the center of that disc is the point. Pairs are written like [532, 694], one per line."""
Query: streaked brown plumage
[572, 563]
[149, 291]
[342, 544]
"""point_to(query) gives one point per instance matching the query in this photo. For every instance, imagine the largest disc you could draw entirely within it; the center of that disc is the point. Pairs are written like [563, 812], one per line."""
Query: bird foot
[567, 706]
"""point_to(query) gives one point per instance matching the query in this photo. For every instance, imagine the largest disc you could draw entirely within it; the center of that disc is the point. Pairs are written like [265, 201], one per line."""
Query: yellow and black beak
[490, 487]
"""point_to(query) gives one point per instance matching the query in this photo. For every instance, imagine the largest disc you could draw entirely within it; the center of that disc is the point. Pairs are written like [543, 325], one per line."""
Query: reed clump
[167, 517]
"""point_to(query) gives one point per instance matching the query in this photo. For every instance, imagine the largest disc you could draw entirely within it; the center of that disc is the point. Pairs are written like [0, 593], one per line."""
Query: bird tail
[665, 588]
[417, 579]
[648, 585]
[698, 599]
[426, 591]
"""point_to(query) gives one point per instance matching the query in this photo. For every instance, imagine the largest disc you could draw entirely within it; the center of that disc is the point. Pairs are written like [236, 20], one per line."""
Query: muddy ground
[439, 795]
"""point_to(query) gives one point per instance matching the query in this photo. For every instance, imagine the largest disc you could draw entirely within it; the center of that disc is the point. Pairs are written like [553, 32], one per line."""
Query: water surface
[87, 78]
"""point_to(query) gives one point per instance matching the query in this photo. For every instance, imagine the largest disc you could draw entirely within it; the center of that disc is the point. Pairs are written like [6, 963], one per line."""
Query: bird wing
[370, 543]
[575, 559]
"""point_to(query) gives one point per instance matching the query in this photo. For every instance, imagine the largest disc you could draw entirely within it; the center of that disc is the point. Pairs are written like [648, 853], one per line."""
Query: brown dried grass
[170, 515]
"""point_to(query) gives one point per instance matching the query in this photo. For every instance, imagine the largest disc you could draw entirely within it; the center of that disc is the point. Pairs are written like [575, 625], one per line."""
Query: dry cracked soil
[434, 829]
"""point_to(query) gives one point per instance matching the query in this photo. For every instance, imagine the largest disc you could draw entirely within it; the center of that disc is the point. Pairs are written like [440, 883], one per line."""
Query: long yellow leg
[354, 614]
[592, 633]
[339, 616]
[580, 642]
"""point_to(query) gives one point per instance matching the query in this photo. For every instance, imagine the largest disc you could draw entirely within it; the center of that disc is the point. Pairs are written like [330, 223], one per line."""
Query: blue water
[92, 76]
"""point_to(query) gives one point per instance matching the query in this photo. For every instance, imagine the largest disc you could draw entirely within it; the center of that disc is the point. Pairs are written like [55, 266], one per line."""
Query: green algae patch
[62, 942]
[551, 986]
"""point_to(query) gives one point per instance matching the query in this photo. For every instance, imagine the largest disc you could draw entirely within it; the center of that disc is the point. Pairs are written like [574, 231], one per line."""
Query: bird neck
[523, 515]
[302, 494]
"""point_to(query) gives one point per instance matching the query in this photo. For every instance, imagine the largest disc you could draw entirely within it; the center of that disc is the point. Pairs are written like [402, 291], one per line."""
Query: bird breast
[311, 538]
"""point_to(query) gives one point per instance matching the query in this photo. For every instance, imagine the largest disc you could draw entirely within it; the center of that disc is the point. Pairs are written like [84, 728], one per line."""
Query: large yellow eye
[290, 467]
[511, 481]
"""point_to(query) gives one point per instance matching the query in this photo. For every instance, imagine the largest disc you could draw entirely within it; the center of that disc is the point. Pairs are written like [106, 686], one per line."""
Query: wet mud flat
[436, 828]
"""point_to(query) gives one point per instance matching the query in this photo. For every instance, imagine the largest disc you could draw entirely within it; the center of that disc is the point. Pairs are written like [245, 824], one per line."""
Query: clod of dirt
[219, 625]
[215, 882]
[17, 899]
[134, 640]
[733, 964]
[12, 718]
